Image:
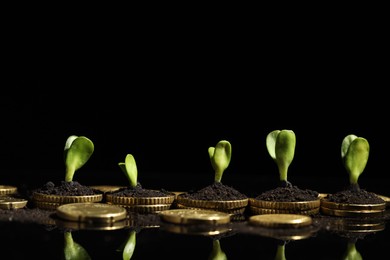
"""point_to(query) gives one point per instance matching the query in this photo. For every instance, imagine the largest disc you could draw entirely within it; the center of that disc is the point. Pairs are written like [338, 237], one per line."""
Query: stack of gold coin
[141, 204]
[257, 207]
[351, 210]
[227, 206]
[8, 190]
[51, 202]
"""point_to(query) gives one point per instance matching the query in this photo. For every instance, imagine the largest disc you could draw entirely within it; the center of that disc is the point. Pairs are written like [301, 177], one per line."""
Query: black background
[167, 89]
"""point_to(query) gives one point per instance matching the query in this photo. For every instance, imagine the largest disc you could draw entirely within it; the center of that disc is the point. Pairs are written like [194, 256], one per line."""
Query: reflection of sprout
[217, 253]
[281, 147]
[77, 151]
[351, 253]
[280, 252]
[72, 250]
[220, 156]
[129, 167]
[354, 152]
[129, 248]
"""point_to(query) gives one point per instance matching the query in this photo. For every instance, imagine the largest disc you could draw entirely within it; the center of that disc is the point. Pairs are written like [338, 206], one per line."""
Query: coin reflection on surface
[76, 225]
[281, 220]
[204, 230]
[194, 216]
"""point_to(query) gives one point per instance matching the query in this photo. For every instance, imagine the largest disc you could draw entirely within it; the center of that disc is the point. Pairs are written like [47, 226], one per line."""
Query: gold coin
[260, 211]
[91, 212]
[385, 198]
[191, 216]
[6, 189]
[12, 203]
[67, 199]
[212, 204]
[294, 206]
[348, 206]
[281, 220]
[114, 199]
[107, 188]
[230, 211]
[351, 213]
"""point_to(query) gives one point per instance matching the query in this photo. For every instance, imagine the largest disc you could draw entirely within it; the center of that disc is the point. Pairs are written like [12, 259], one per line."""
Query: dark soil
[353, 196]
[288, 193]
[72, 188]
[138, 191]
[216, 191]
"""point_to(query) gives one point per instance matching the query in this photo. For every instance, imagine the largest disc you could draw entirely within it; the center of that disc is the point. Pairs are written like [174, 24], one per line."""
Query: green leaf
[77, 151]
[129, 167]
[72, 250]
[271, 143]
[220, 156]
[355, 153]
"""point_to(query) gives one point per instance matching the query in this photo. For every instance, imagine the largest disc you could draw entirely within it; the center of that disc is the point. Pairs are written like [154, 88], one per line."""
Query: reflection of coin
[230, 211]
[351, 213]
[12, 203]
[204, 230]
[91, 212]
[281, 220]
[212, 204]
[67, 199]
[145, 208]
[86, 225]
[114, 199]
[348, 206]
[258, 211]
[106, 188]
[297, 205]
[194, 216]
[5, 189]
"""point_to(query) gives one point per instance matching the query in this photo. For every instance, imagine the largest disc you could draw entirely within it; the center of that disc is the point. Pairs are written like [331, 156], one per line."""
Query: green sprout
[77, 151]
[281, 147]
[129, 167]
[354, 153]
[73, 250]
[217, 253]
[220, 156]
[280, 252]
[352, 253]
[129, 248]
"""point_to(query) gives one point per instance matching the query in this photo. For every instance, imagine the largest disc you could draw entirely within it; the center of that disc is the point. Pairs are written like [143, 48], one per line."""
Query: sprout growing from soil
[220, 156]
[77, 151]
[73, 250]
[281, 147]
[354, 153]
[129, 167]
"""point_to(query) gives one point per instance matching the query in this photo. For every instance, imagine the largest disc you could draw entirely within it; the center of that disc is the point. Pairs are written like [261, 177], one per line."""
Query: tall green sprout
[281, 147]
[220, 156]
[129, 167]
[354, 153]
[77, 151]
